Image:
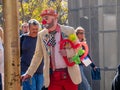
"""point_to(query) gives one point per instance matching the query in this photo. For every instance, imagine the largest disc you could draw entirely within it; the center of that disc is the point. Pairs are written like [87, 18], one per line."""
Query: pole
[11, 45]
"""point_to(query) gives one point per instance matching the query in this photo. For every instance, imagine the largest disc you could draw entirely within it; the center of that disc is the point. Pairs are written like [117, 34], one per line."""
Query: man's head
[25, 28]
[33, 27]
[49, 17]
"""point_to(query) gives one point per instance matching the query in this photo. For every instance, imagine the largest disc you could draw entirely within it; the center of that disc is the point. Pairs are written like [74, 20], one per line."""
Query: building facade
[101, 20]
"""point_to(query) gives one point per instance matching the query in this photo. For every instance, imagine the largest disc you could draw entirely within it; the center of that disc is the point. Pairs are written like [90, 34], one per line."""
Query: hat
[48, 12]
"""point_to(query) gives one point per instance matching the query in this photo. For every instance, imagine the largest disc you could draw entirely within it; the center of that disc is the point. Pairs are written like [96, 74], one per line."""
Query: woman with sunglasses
[80, 32]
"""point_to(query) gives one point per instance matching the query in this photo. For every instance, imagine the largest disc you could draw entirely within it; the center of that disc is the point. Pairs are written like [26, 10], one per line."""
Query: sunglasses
[80, 33]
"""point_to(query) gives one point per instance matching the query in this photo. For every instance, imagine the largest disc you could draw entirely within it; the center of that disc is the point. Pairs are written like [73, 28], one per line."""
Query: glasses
[80, 33]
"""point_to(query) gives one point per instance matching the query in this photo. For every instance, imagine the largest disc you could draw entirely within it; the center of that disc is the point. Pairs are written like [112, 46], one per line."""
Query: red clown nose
[44, 22]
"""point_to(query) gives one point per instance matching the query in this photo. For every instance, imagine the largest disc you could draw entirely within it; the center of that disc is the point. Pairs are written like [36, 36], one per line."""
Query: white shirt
[59, 61]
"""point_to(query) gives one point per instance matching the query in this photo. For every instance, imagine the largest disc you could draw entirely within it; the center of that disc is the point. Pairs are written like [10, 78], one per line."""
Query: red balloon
[67, 61]
[81, 44]
[62, 45]
[85, 46]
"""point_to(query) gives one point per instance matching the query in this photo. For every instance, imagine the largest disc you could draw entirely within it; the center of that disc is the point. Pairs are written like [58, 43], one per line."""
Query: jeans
[34, 83]
[84, 84]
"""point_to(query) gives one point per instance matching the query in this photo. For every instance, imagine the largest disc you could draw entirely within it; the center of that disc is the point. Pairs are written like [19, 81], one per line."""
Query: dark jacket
[116, 80]
[27, 48]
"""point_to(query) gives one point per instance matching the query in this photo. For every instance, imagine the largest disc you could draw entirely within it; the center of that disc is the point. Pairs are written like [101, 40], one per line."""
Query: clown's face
[49, 21]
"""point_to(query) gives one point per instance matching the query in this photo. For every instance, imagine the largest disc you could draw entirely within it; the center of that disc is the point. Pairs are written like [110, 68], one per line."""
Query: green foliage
[32, 9]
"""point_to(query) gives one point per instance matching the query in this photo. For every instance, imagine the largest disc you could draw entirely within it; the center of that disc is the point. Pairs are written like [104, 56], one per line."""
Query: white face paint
[50, 21]
[50, 25]
[45, 25]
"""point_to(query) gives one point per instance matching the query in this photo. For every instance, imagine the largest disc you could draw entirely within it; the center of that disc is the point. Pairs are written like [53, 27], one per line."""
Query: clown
[57, 74]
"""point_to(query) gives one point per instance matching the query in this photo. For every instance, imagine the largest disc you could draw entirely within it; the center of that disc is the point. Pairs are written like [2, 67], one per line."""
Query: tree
[32, 9]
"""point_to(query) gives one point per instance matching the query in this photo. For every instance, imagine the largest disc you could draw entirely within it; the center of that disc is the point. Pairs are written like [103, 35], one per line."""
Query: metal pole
[11, 45]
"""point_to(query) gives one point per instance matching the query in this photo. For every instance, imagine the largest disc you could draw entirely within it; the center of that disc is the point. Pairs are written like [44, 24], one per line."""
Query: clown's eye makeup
[45, 18]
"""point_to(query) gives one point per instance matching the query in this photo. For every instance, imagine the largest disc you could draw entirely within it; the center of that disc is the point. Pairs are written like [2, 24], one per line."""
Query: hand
[63, 52]
[95, 68]
[25, 77]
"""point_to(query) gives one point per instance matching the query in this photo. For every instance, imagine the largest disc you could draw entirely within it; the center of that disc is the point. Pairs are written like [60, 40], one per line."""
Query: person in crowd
[58, 75]
[80, 32]
[27, 48]
[116, 80]
[25, 28]
[2, 58]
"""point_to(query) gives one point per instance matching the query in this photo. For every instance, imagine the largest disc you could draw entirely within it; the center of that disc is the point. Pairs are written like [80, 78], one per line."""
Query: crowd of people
[44, 64]
[57, 74]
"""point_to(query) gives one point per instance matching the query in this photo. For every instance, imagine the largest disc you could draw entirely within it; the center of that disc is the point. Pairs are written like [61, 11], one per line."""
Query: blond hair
[80, 29]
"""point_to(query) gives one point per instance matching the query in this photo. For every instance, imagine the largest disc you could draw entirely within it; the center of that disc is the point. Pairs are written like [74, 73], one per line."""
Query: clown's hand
[24, 77]
[70, 52]
[63, 52]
